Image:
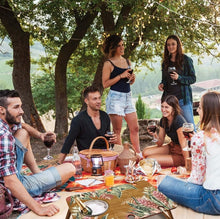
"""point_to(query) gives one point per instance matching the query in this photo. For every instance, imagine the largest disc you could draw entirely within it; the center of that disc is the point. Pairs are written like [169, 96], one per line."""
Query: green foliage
[43, 89]
[140, 107]
[143, 24]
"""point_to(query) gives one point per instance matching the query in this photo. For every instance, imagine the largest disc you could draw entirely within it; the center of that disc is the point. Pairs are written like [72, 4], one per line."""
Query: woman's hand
[126, 74]
[132, 78]
[160, 87]
[154, 134]
[174, 75]
[113, 139]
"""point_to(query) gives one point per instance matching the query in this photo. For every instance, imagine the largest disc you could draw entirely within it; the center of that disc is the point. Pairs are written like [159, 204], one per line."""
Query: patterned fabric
[7, 150]
[139, 200]
[198, 159]
[212, 178]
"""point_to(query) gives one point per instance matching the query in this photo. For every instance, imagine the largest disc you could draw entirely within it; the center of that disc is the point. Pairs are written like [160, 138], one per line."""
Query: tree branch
[107, 18]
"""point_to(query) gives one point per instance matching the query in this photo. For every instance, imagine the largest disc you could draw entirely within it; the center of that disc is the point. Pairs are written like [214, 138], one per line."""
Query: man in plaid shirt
[15, 149]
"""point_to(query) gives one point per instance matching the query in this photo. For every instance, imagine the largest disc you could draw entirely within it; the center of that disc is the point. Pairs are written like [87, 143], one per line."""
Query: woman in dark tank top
[116, 73]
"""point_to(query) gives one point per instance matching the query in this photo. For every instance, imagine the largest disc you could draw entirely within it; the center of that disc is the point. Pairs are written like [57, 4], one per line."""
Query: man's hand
[48, 210]
[51, 135]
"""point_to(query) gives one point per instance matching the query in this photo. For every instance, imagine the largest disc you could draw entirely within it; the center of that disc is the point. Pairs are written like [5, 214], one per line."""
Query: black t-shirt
[171, 131]
[83, 130]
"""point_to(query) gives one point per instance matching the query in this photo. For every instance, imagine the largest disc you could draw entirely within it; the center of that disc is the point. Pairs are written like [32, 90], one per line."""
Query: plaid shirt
[186, 78]
[7, 149]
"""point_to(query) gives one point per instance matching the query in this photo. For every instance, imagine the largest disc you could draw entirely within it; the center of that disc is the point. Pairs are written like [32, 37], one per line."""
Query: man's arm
[18, 190]
[74, 132]
[35, 133]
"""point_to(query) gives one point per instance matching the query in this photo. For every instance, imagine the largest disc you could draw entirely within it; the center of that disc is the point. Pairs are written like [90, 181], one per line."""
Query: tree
[21, 63]
[140, 107]
[143, 24]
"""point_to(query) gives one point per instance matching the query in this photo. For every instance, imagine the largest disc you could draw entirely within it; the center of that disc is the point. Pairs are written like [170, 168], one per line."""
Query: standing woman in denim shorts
[115, 75]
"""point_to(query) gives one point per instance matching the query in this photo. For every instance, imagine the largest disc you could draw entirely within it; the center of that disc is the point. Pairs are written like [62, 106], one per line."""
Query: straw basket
[125, 156]
[109, 157]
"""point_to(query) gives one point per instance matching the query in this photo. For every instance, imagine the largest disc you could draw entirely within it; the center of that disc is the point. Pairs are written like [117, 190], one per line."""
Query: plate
[98, 206]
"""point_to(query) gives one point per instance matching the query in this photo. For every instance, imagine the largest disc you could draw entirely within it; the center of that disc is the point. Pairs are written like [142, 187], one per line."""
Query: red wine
[48, 144]
[152, 128]
[108, 135]
[187, 132]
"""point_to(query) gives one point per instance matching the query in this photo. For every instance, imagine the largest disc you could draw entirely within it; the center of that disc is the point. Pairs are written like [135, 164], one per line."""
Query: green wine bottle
[85, 210]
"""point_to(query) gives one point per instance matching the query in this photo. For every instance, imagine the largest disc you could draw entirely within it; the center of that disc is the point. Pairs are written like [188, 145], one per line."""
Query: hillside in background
[147, 81]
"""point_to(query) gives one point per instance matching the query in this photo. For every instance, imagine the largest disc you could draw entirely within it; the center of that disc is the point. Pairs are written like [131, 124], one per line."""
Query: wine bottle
[85, 210]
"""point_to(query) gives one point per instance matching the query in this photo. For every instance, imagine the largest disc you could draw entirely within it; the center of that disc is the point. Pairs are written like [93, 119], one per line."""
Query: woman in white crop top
[201, 192]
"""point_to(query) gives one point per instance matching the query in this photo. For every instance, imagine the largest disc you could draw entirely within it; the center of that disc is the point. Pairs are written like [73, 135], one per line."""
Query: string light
[184, 16]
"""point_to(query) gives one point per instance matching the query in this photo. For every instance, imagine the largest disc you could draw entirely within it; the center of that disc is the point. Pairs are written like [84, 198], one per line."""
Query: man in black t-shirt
[88, 125]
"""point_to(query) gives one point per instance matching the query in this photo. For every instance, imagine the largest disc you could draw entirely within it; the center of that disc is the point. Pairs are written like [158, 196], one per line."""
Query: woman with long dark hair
[178, 74]
[171, 123]
[201, 192]
[118, 75]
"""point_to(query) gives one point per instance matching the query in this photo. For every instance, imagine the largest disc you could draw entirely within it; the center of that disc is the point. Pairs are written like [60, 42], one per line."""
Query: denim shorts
[119, 103]
[39, 183]
[191, 195]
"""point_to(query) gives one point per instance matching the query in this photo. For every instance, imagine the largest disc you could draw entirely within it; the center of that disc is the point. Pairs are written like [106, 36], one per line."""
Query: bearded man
[15, 148]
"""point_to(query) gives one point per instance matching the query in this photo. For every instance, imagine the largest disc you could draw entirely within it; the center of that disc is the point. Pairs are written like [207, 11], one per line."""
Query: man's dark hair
[5, 94]
[90, 89]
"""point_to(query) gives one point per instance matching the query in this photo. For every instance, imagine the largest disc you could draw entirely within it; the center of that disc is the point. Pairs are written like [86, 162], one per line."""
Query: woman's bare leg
[132, 122]
[161, 154]
[117, 125]
[152, 150]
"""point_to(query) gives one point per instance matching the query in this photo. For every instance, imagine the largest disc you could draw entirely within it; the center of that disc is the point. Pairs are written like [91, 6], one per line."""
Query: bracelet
[120, 76]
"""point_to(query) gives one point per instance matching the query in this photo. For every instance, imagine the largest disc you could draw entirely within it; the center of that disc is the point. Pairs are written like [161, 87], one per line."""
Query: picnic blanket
[74, 185]
[139, 200]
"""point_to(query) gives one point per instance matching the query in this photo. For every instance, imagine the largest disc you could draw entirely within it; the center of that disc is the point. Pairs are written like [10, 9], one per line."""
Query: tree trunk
[61, 124]
[21, 64]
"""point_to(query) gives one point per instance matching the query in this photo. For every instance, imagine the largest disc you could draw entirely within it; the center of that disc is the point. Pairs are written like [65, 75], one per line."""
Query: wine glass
[48, 142]
[108, 135]
[171, 70]
[152, 127]
[130, 72]
[188, 128]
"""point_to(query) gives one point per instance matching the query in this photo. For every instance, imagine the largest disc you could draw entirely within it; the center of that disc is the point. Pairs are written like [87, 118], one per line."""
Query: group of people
[200, 192]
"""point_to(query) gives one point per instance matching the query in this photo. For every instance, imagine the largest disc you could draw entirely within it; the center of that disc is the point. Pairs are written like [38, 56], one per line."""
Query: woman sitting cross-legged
[201, 192]
[171, 124]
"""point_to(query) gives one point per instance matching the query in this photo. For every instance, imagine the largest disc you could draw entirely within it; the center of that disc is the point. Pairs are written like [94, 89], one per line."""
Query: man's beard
[11, 119]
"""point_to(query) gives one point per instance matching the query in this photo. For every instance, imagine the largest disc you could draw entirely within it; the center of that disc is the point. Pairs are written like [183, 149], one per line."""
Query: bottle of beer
[85, 210]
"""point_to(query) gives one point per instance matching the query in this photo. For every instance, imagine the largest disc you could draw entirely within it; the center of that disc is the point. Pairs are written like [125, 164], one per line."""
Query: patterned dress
[198, 158]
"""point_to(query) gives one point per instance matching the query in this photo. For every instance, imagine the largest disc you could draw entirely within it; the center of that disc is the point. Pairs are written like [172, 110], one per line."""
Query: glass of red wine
[108, 135]
[188, 128]
[48, 142]
[170, 71]
[130, 72]
[152, 127]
